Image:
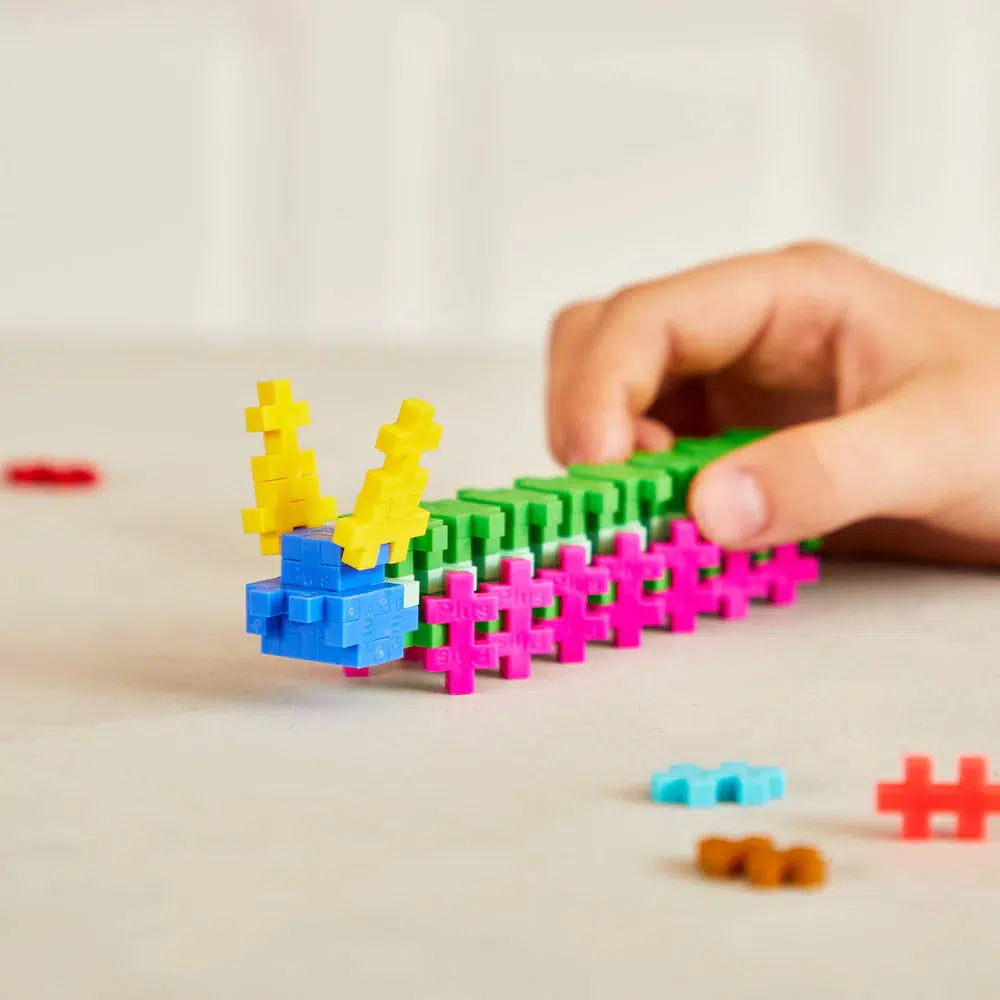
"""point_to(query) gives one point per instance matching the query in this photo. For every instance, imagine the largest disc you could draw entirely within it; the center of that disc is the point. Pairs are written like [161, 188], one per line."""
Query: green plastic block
[587, 504]
[531, 517]
[746, 435]
[810, 545]
[428, 636]
[489, 627]
[759, 558]
[400, 570]
[680, 469]
[430, 544]
[705, 449]
[473, 528]
[552, 611]
[643, 493]
[431, 581]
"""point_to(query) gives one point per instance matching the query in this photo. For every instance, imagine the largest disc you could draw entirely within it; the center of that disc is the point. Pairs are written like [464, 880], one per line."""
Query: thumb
[902, 456]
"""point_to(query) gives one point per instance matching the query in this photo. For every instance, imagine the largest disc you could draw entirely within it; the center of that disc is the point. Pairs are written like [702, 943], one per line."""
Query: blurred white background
[454, 170]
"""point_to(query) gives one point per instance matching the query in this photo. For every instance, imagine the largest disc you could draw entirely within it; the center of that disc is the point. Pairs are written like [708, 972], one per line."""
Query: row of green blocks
[588, 506]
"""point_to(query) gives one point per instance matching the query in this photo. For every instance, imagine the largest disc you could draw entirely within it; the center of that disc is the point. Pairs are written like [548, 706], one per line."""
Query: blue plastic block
[355, 632]
[265, 598]
[361, 602]
[703, 787]
[370, 653]
[310, 559]
[305, 607]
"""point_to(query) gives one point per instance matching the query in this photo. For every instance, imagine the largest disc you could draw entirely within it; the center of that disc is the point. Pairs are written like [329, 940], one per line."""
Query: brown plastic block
[761, 862]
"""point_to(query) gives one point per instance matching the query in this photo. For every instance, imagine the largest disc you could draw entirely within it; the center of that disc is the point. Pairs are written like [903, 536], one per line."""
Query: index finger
[694, 323]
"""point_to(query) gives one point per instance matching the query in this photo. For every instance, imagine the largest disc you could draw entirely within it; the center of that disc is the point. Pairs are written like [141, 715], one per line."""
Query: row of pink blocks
[515, 599]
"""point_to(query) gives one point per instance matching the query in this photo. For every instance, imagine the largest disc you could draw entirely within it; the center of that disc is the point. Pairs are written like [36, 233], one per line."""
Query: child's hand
[890, 392]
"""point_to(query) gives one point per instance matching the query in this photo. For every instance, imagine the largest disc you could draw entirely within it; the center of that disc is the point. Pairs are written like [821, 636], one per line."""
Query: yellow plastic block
[267, 468]
[388, 506]
[286, 487]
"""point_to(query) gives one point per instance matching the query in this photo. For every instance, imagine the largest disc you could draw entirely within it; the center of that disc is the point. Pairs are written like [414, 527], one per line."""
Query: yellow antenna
[286, 486]
[388, 508]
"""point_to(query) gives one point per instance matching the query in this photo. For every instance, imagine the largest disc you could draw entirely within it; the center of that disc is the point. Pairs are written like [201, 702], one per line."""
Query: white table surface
[183, 817]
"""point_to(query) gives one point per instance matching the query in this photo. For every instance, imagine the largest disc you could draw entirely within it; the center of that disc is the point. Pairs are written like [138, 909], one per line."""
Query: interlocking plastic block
[972, 798]
[680, 469]
[530, 517]
[388, 507]
[703, 787]
[464, 653]
[577, 623]
[520, 637]
[633, 608]
[64, 475]
[643, 493]
[310, 559]
[763, 865]
[786, 569]
[355, 628]
[285, 484]
[684, 557]
[739, 582]
[588, 505]
[474, 529]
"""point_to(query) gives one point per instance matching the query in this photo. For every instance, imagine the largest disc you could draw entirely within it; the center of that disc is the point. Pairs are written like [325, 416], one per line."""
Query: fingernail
[730, 506]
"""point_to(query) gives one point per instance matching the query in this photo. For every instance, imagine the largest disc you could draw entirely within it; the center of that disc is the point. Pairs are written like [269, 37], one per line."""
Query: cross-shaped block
[632, 609]
[517, 595]
[685, 555]
[573, 582]
[787, 568]
[463, 654]
[702, 787]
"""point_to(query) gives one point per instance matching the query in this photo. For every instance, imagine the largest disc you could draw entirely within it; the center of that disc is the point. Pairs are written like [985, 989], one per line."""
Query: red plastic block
[688, 595]
[577, 623]
[463, 654]
[517, 594]
[66, 474]
[916, 797]
[633, 608]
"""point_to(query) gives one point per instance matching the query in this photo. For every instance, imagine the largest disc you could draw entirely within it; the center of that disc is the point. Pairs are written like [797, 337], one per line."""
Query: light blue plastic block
[733, 781]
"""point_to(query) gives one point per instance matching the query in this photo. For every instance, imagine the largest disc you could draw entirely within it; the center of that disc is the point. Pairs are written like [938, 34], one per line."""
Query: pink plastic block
[787, 569]
[688, 595]
[517, 594]
[577, 623]
[740, 581]
[356, 671]
[633, 608]
[463, 655]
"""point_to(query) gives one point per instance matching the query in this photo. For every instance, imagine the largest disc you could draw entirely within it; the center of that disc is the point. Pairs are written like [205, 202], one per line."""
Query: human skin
[885, 393]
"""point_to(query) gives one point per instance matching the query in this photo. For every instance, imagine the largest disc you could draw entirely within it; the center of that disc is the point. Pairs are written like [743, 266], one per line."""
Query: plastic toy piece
[643, 493]
[788, 567]
[519, 638]
[684, 557]
[474, 529]
[60, 475]
[531, 518]
[464, 653]
[702, 788]
[388, 507]
[632, 608]
[576, 624]
[285, 483]
[763, 865]
[972, 798]
[589, 505]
